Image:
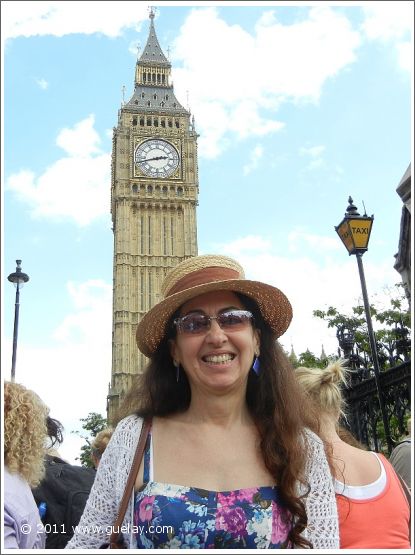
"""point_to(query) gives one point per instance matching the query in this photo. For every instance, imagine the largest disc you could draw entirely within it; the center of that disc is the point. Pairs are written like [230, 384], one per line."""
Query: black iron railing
[365, 415]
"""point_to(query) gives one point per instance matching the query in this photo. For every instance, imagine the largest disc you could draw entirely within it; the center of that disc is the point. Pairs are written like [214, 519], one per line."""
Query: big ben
[154, 191]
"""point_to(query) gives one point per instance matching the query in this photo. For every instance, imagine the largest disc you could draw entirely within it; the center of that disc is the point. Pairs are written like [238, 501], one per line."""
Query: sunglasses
[231, 320]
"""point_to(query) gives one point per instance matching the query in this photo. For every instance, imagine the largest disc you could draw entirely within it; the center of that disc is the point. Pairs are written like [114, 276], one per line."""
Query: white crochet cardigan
[108, 488]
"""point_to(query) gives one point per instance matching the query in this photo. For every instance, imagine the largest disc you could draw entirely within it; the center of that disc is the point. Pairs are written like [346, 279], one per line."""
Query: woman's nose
[215, 333]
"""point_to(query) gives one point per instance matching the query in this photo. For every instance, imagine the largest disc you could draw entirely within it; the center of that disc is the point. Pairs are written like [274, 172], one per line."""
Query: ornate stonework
[154, 191]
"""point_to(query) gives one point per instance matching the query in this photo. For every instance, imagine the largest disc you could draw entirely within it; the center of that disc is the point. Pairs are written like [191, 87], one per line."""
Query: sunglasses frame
[247, 314]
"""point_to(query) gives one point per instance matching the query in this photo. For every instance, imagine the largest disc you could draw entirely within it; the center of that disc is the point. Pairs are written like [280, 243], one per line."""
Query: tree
[309, 360]
[392, 333]
[92, 424]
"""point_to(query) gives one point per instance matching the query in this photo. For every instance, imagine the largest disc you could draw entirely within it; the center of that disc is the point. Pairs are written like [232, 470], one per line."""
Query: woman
[373, 510]
[99, 444]
[24, 449]
[228, 425]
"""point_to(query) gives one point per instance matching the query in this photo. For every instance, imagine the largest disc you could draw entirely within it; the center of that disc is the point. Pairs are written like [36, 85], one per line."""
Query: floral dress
[180, 517]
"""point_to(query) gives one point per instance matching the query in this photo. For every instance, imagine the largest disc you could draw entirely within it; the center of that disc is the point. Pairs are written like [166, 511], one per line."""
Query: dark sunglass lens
[233, 318]
[194, 323]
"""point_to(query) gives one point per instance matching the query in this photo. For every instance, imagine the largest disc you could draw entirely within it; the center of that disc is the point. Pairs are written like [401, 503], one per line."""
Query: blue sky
[298, 106]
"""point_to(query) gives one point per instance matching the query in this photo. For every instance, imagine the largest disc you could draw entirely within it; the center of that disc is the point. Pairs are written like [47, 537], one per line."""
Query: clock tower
[154, 190]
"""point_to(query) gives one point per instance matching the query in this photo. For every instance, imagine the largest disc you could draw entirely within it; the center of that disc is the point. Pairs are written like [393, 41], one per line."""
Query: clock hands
[155, 158]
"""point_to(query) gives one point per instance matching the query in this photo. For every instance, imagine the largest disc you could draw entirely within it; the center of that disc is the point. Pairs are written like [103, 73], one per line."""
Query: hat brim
[274, 306]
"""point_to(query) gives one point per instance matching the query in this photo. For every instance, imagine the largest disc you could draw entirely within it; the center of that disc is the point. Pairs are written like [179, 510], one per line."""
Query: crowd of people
[220, 443]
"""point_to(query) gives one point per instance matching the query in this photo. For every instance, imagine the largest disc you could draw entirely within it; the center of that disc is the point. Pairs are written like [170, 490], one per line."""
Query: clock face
[157, 158]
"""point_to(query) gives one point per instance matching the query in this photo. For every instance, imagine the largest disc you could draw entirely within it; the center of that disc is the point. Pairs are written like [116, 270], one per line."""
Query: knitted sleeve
[102, 505]
[322, 528]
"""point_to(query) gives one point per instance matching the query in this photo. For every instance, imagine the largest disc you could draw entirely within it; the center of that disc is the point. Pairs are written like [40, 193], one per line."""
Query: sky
[297, 106]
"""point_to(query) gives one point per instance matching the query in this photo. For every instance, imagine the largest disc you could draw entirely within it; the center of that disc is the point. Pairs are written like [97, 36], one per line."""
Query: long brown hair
[276, 402]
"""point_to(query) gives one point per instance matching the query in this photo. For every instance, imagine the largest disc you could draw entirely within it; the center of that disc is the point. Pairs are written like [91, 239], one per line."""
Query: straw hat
[201, 274]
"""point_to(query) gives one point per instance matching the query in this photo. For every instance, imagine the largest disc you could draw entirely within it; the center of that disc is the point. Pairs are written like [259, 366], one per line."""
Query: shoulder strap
[130, 482]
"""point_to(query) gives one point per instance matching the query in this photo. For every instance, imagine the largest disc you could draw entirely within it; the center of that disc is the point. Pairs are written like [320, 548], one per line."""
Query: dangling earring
[177, 365]
[256, 367]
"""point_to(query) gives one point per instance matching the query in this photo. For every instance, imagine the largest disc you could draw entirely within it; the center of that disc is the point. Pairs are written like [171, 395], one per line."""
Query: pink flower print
[280, 524]
[232, 521]
[246, 494]
[146, 508]
[227, 499]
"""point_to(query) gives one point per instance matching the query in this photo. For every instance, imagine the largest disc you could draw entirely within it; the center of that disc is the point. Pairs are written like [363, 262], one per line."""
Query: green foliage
[392, 332]
[309, 360]
[92, 424]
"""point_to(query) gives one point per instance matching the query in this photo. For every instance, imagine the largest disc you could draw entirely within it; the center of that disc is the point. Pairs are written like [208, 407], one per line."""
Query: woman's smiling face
[217, 359]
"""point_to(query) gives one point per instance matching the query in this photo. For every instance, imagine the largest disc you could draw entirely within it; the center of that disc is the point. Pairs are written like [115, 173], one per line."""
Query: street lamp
[354, 231]
[19, 278]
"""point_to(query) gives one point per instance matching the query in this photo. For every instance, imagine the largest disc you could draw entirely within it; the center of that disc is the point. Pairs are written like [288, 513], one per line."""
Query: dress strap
[147, 460]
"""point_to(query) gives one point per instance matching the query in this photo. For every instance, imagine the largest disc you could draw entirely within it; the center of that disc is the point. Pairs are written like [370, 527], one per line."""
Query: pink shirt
[379, 522]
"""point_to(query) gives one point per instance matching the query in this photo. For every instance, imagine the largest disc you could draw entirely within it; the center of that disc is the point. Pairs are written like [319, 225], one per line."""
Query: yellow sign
[361, 232]
[345, 235]
[355, 233]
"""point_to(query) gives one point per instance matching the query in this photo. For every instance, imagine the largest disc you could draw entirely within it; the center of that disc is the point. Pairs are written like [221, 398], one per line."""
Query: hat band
[200, 277]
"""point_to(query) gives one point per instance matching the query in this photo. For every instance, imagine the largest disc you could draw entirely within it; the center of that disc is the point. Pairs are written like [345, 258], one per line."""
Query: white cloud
[405, 54]
[43, 84]
[238, 83]
[82, 140]
[83, 174]
[392, 23]
[388, 20]
[91, 300]
[297, 239]
[72, 373]
[313, 152]
[61, 18]
[250, 243]
[256, 156]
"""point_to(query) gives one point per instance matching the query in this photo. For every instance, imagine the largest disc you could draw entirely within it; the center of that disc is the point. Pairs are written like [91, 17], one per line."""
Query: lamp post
[19, 278]
[354, 231]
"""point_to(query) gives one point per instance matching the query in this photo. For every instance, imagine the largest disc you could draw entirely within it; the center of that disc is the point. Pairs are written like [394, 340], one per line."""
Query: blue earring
[256, 367]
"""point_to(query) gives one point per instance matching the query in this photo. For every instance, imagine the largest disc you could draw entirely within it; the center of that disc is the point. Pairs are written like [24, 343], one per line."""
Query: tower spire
[152, 52]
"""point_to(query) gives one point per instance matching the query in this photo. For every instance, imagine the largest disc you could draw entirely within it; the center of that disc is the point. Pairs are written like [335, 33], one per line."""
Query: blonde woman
[24, 449]
[99, 445]
[373, 510]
